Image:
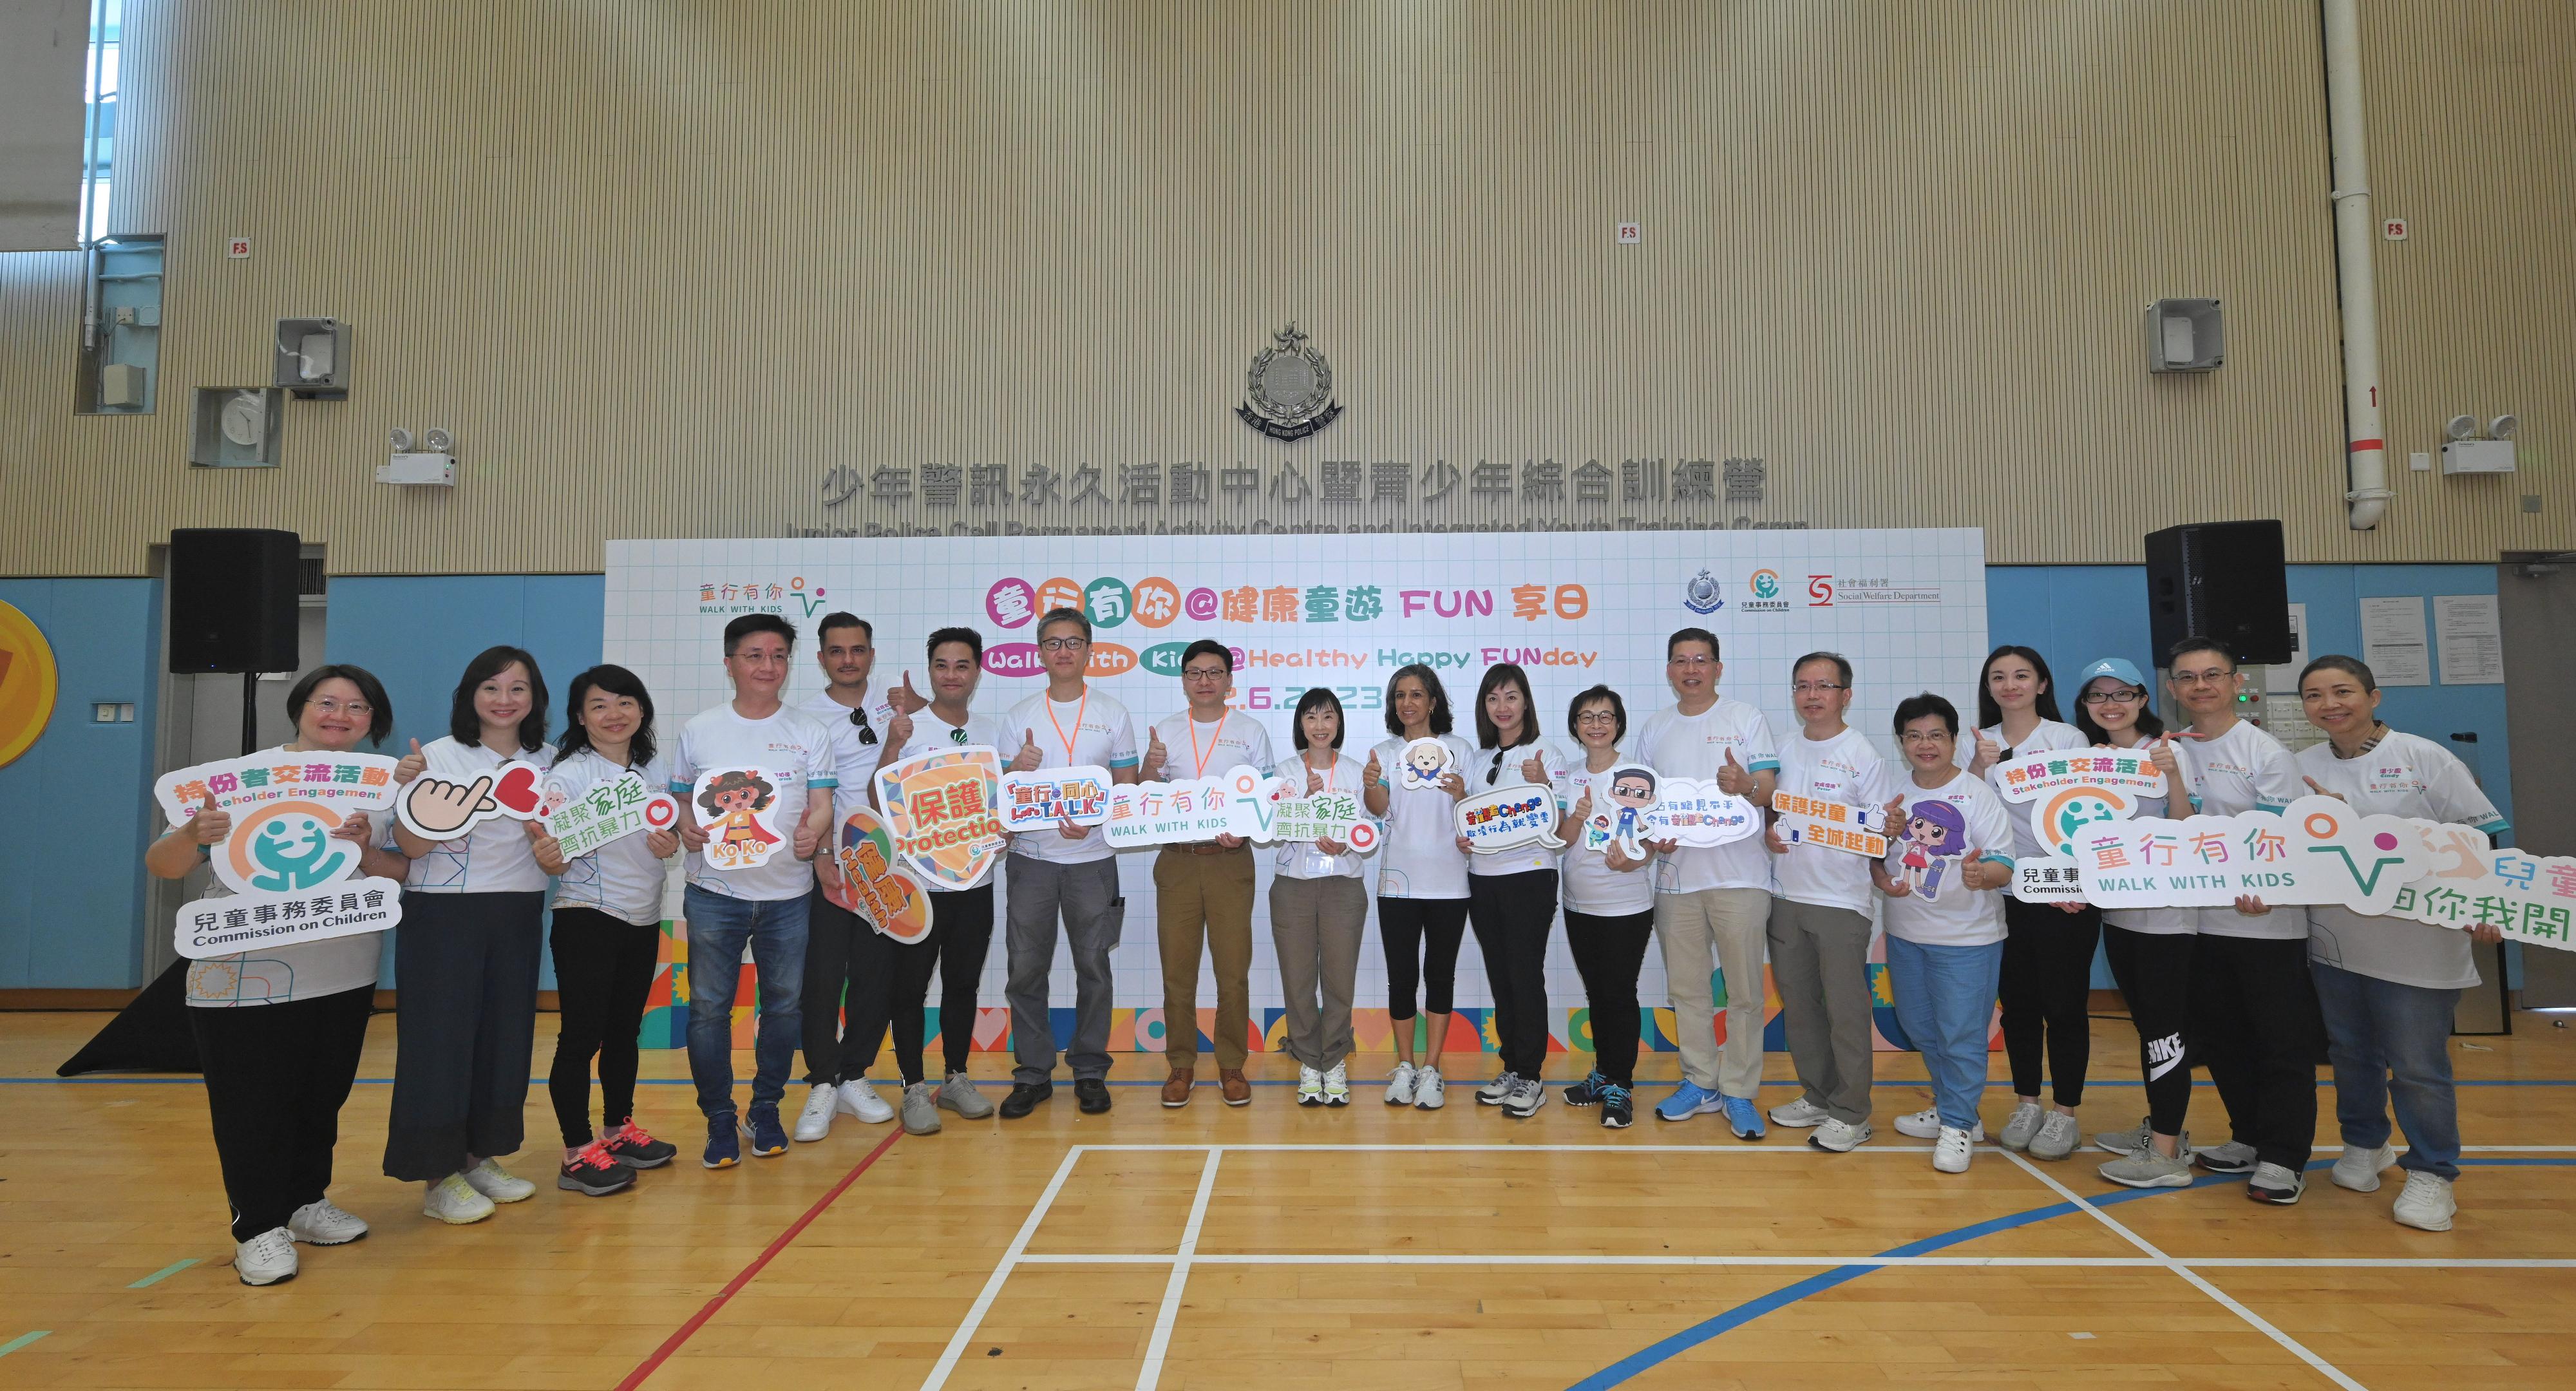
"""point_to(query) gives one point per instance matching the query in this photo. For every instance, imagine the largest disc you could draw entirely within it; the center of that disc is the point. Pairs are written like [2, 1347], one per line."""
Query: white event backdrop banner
[1908, 607]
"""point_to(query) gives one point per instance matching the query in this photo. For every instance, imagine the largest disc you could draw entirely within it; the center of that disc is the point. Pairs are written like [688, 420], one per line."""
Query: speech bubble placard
[2530, 898]
[739, 809]
[943, 809]
[2318, 850]
[2130, 771]
[608, 811]
[1691, 811]
[1043, 797]
[291, 882]
[346, 781]
[864, 875]
[436, 808]
[1833, 825]
[1497, 819]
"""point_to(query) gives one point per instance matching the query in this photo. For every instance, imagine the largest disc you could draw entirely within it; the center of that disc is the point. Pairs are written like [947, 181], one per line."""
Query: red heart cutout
[517, 790]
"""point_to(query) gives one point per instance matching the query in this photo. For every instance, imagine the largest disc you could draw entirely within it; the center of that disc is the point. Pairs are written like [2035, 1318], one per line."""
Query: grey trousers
[1820, 962]
[1316, 925]
[1087, 896]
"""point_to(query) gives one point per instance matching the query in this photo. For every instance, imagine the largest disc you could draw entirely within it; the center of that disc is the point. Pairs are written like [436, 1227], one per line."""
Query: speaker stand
[250, 713]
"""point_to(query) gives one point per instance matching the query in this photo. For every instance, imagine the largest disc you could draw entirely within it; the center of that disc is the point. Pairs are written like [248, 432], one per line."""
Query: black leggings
[2153, 970]
[1421, 937]
[603, 971]
[1610, 951]
[887, 979]
[1512, 914]
[2046, 983]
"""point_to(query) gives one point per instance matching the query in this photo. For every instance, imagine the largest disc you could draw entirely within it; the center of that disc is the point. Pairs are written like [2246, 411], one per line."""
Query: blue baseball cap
[2117, 668]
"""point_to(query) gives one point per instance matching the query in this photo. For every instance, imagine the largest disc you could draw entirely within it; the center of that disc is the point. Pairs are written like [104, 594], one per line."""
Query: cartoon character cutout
[1424, 763]
[1927, 855]
[1632, 792]
[738, 804]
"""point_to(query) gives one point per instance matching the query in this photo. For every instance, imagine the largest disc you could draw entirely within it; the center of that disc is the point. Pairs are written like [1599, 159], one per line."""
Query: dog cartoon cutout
[1424, 763]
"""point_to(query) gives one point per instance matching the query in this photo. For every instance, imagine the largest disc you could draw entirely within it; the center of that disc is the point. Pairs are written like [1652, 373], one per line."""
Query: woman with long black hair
[1318, 910]
[1422, 879]
[1511, 894]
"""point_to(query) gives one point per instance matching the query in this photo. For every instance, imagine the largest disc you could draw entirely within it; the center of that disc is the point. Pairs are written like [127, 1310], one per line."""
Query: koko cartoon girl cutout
[740, 805]
[1927, 855]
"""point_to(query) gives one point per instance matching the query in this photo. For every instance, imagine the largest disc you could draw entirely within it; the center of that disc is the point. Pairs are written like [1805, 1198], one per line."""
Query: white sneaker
[1800, 1114]
[2358, 1169]
[1429, 1092]
[455, 1201]
[2024, 1125]
[1950, 1156]
[2056, 1138]
[1493, 1092]
[815, 1121]
[266, 1258]
[1525, 1098]
[318, 1223]
[861, 1100]
[1399, 1085]
[2427, 1204]
[1841, 1137]
[1310, 1086]
[1926, 1125]
[1337, 1084]
[495, 1183]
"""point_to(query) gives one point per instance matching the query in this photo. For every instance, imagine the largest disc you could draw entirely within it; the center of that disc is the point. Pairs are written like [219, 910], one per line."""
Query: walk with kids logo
[740, 596]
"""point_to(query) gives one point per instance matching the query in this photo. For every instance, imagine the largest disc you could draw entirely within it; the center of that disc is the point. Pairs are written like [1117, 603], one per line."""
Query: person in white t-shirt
[1819, 928]
[1203, 891]
[466, 957]
[1421, 882]
[1712, 903]
[2253, 1005]
[2389, 987]
[1609, 897]
[1318, 911]
[279, 1030]
[1071, 871]
[789, 755]
[607, 935]
[1941, 881]
[1511, 894]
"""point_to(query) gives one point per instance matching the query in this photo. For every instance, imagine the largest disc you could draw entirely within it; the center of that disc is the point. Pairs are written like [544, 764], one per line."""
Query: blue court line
[164, 1273]
[1658, 1353]
[22, 1340]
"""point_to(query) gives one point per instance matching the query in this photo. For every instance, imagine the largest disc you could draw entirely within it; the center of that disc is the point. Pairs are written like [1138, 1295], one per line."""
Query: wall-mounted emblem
[1288, 390]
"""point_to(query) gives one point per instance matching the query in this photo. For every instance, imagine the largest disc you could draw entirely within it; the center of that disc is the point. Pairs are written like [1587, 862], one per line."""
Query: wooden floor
[1285, 1248]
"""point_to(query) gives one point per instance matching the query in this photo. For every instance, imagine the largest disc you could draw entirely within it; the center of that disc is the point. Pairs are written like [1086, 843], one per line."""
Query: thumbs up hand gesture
[1151, 767]
[1988, 754]
[1027, 759]
[904, 698]
[211, 826]
[413, 765]
[1732, 779]
[2320, 791]
[1370, 773]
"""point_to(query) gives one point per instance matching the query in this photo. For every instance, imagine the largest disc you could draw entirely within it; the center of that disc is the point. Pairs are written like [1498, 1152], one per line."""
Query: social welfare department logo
[1701, 594]
[1288, 390]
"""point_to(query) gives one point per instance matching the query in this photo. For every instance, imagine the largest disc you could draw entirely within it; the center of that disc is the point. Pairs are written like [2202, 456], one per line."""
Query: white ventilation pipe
[2365, 450]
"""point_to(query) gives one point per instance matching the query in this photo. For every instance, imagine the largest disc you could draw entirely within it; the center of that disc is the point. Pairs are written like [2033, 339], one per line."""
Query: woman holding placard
[2047, 979]
[1511, 894]
[2388, 987]
[1609, 906]
[467, 958]
[1318, 910]
[278, 1062]
[1422, 875]
[607, 935]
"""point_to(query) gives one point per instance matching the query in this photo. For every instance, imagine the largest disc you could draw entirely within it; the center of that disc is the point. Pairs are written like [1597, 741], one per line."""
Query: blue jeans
[2392, 1042]
[718, 926]
[1945, 999]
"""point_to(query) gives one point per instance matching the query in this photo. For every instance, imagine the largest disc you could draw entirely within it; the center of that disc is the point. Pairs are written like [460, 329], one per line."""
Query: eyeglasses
[2130, 696]
[867, 733]
[356, 709]
[1065, 644]
[1205, 673]
[1597, 717]
[1694, 663]
[1916, 736]
[1816, 687]
[2210, 677]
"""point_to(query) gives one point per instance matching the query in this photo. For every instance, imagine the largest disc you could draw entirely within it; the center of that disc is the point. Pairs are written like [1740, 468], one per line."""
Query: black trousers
[2046, 982]
[603, 971]
[1512, 915]
[2153, 971]
[832, 935]
[275, 1078]
[1421, 938]
[2256, 1027]
[888, 978]
[465, 1026]
[1609, 951]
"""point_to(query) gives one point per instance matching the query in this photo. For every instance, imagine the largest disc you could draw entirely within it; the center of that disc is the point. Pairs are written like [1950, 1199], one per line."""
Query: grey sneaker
[2358, 1169]
[2230, 1158]
[2276, 1184]
[1494, 1092]
[2128, 1141]
[1527, 1095]
[1839, 1137]
[958, 1094]
[2024, 1125]
[2144, 1168]
[921, 1109]
[2056, 1138]
[1800, 1114]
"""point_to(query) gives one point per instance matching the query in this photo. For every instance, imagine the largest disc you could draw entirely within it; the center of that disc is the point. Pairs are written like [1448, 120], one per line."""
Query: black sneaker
[1588, 1091]
[630, 1146]
[1024, 1098]
[1617, 1110]
[1092, 1094]
[591, 1171]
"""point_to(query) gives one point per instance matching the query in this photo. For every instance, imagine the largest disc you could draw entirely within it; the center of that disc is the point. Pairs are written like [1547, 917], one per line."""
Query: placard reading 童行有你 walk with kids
[291, 879]
[1342, 612]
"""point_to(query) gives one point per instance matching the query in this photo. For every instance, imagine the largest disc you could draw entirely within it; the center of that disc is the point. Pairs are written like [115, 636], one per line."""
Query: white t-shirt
[795, 750]
[1100, 733]
[277, 975]
[494, 857]
[2406, 775]
[1847, 769]
[2244, 770]
[1299, 859]
[2155, 922]
[1590, 884]
[1961, 916]
[929, 733]
[1195, 750]
[1507, 773]
[1676, 745]
[622, 878]
[854, 757]
[1419, 857]
[2049, 737]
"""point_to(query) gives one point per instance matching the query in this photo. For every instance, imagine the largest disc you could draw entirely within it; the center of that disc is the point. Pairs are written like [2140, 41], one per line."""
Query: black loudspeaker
[233, 600]
[2223, 580]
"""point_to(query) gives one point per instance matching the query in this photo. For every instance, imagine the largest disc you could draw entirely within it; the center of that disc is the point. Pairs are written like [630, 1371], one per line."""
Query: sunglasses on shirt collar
[867, 732]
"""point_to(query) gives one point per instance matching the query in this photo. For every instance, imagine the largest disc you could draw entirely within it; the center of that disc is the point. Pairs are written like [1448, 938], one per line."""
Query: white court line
[1358, 1258]
[1613, 1147]
[993, 1284]
[1152, 1371]
[2298, 1349]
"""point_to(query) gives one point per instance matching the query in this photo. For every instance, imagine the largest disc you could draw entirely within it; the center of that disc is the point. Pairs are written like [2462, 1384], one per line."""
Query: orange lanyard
[1199, 760]
[1077, 724]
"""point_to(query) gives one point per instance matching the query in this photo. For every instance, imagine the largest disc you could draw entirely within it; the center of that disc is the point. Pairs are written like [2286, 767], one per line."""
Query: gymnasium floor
[1289, 1248]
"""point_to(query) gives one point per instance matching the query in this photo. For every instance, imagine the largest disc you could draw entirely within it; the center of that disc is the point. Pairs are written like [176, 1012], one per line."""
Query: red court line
[735, 1286]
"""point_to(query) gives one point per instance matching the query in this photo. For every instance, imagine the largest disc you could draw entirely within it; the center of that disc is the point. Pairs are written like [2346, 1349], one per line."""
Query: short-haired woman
[1609, 905]
[1318, 910]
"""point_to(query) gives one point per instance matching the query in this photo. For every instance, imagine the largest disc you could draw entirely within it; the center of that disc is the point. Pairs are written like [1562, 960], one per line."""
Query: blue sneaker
[723, 1149]
[768, 1137]
[1687, 1102]
[1743, 1117]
